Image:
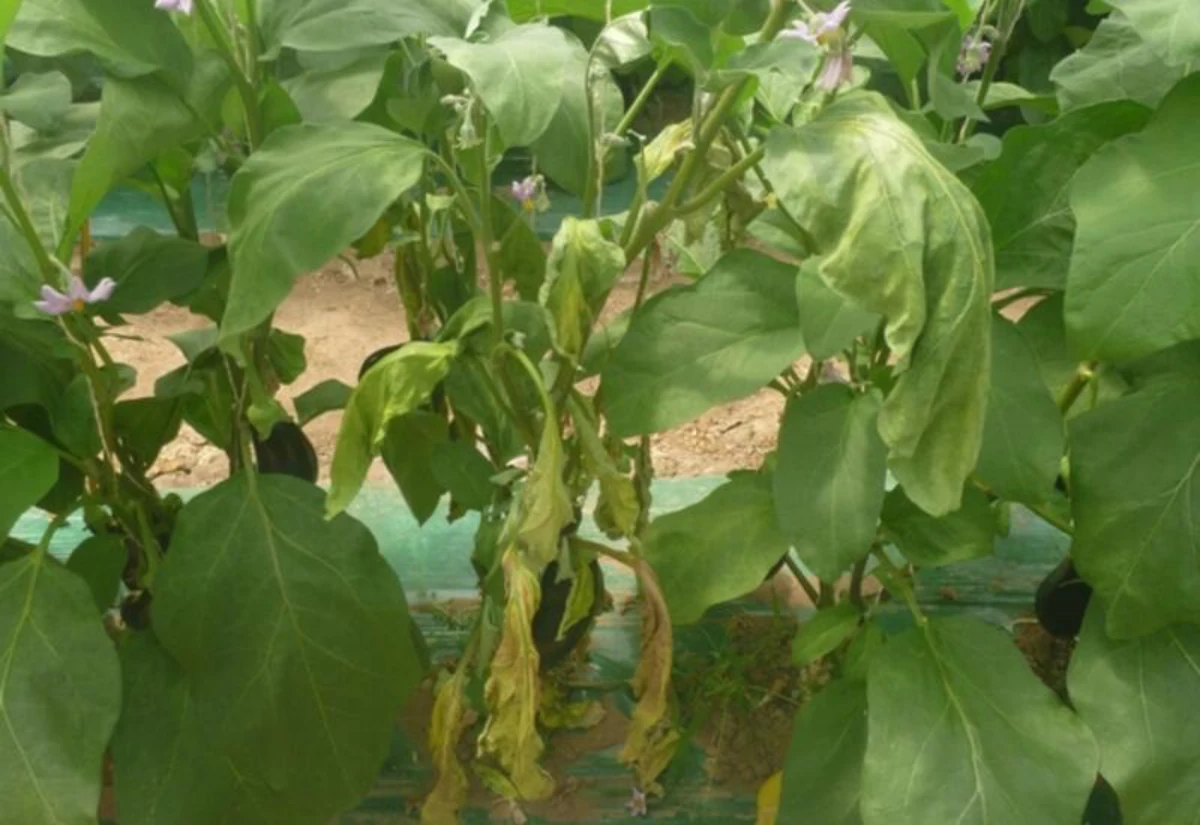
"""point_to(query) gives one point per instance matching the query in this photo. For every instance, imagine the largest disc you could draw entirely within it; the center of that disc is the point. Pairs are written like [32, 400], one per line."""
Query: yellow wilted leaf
[449, 720]
[512, 689]
[545, 502]
[768, 800]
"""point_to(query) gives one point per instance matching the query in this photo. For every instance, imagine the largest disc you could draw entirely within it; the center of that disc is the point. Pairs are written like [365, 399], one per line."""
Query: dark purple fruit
[552, 650]
[1062, 600]
[286, 451]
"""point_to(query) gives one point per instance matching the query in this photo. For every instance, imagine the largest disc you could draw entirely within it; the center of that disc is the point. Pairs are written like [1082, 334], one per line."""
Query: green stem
[643, 281]
[460, 191]
[245, 86]
[639, 102]
[714, 190]
[895, 581]
[487, 240]
[1083, 376]
[999, 49]
[813, 594]
[17, 209]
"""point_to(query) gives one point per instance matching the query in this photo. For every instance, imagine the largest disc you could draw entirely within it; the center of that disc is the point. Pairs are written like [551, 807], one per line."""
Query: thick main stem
[487, 239]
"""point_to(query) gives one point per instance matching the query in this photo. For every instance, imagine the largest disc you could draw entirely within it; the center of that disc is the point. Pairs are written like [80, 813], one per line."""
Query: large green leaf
[1136, 503]
[45, 185]
[35, 363]
[1133, 289]
[1024, 191]
[519, 76]
[962, 731]
[903, 238]
[1170, 28]
[717, 549]
[394, 387]
[829, 477]
[306, 195]
[1116, 64]
[40, 101]
[337, 25]
[528, 9]
[139, 120]
[8, 13]
[967, 533]
[829, 321]
[60, 693]
[149, 269]
[1139, 697]
[130, 37]
[297, 644]
[581, 270]
[408, 452]
[822, 774]
[1023, 435]
[341, 93]
[28, 469]
[691, 348]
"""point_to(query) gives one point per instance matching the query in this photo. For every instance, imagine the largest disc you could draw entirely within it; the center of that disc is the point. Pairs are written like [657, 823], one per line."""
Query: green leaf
[924, 263]
[306, 195]
[150, 269]
[581, 270]
[8, 13]
[59, 693]
[678, 36]
[99, 561]
[395, 386]
[36, 363]
[28, 469]
[341, 93]
[959, 726]
[408, 453]
[824, 633]
[40, 101]
[519, 76]
[338, 25]
[1116, 64]
[1172, 29]
[617, 508]
[141, 119]
[460, 468]
[145, 425]
[718, 549]
[285, 352]
[521, 257]
[299, 686]
[822, 774]
[130, 37]
[1137, 249]
[1023, 435]
[1024, 191]
[692, 348]
[328, 396]
[829, 477]
[1135, 500]
[66, 140]
[830, 321]
[1147, 754]
[967, 533]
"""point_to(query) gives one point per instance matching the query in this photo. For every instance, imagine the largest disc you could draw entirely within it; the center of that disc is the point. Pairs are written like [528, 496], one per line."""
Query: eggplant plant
[959, 237]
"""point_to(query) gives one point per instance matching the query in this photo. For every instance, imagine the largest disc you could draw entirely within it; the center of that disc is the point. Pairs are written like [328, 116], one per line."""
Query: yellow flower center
[78, 305]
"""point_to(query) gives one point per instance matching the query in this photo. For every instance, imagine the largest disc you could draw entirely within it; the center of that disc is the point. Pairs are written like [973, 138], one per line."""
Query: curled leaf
[447, 725]
[546, 507]
[617, 508]
[512, 689]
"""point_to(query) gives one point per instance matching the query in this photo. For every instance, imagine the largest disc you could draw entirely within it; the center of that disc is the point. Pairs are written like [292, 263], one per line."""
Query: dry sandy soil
[346, 317]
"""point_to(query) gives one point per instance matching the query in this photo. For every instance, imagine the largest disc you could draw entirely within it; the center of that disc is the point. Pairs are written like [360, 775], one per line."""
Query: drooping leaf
[408, 452]
[960, 730]
[582, 268]
[448, 720]
[519, 76]
[395, 386]
[297, 686]
[462, 470]
[617, 508]
[718, 549]
[824, 633]
[691, 348]
[99, 561]
[66, 140]
[1171, 29]
[28, 469]
[59, 693]
[39, 100]
[1134, 497]
[339, 25]
[1116, 64]
[149, 269]
[967, 533]
[546, 508]
[678, 36]
[1137, 250]
[1146, 752]
[822, 774]
[1024, 191]
[924, 263]
[130, 37]
[829, 477]
[328, 396]
[306, 195]
[830, 321]
[522, 10]
[1023, 435]
[341, 93]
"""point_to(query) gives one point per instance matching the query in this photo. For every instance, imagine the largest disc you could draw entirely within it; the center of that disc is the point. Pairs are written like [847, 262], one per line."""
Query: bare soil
[345, 317]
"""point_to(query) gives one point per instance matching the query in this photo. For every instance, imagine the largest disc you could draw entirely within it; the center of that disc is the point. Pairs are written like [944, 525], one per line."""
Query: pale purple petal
[837, 71]
[77, 290]
[800, 31]
[837, 17]
[182, 6]
[974, 55]
[526, 190]
[637, 803]
[102, 291]
[53, 302]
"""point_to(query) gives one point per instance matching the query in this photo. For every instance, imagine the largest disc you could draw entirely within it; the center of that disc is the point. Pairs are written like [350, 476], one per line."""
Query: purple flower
[526, 192]
[837, 70]
[76, 298]
[637, 803]
[974, 55]
[821, 27]
[184, 6]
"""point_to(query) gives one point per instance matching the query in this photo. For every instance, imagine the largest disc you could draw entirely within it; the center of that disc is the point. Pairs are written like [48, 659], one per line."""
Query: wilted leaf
[447, 723]
[546, 506]
[582, 268]
[617, 508]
